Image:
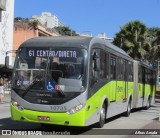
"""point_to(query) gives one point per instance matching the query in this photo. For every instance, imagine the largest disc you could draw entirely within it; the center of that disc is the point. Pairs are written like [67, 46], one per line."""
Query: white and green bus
[77, 81]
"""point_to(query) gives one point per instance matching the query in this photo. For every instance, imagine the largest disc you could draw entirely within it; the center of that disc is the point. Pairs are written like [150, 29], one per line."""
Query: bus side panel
[94, 103]
[130, 90]
[153, 92]
[120, 91]
[112, 91]
[140, 95]
[149, 91]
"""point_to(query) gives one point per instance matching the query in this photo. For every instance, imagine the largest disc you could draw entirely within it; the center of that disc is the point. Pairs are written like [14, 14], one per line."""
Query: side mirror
[7, 57]
[7, 61]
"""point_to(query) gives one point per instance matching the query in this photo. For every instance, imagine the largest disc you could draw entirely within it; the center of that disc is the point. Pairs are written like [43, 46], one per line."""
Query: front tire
[102, 119]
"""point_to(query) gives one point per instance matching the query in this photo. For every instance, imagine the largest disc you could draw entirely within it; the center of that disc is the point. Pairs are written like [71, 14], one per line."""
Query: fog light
[14, 103]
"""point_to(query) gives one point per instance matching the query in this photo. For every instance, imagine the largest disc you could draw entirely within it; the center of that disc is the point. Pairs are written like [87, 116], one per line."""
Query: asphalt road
[118, 126]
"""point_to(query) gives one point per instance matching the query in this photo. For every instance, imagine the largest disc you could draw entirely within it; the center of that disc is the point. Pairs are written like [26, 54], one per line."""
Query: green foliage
[19, 19]
[34, 24]
[155, 49]
[139, 41]
[65, 31]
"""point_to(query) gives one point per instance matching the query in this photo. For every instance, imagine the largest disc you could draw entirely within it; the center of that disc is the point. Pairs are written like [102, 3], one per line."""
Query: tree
[153, 38]
[17, 19]
[33, 24]
[65, 31]
[155, 50]
[132, 38]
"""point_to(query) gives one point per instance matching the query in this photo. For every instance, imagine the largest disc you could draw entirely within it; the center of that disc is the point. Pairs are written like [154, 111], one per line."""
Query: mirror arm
[7, 57]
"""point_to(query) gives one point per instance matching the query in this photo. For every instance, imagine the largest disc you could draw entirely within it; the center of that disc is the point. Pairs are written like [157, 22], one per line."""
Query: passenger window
[113, 68]
[130, 71]
[104, 63]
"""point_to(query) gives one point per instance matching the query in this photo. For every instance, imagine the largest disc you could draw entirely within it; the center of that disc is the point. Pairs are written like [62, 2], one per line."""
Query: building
[103, 36]
[85, 33]
[6, 35]
[49, 20]
[22, 32]
[6, 29]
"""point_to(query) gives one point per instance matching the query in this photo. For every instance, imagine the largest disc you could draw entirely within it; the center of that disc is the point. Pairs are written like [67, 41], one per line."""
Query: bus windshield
[50, 69]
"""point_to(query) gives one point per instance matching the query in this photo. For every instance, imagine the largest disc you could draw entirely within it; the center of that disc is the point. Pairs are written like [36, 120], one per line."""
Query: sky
[93, 16]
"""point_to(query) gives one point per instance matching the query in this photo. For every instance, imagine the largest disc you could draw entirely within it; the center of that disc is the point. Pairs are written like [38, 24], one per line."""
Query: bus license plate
[44, 118]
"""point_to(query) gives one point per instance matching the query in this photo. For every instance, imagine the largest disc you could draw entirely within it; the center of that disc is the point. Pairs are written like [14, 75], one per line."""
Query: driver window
[94, 67]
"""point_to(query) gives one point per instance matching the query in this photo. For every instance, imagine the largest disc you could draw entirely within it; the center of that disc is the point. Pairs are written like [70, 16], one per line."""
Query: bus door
[121, 90]
[152, 82]
[126, 79]
[113, 78]
[143, 82]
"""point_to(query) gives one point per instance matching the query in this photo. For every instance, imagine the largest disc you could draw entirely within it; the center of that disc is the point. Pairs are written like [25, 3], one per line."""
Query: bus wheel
[148, 105]
[102, 119]
[127, 113]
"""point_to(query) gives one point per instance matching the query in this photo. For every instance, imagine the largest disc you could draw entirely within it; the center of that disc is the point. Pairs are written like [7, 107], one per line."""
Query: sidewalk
[7, 98]
[155, 124]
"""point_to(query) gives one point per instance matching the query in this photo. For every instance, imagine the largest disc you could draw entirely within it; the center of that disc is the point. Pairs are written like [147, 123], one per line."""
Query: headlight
[76, 109]
[14, 103]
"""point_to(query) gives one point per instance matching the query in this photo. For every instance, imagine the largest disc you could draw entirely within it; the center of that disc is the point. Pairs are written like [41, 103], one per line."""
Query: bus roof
[57, 41]
[72, 41]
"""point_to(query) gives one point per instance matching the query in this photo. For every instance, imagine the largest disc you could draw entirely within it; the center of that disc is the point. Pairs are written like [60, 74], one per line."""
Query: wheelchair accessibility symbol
[50, 86]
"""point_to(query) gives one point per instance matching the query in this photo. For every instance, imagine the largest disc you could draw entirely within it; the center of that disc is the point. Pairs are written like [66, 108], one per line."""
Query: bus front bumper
[76, 119]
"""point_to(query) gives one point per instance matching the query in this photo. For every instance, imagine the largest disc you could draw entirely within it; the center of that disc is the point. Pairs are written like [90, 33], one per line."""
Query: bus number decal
[58, 108]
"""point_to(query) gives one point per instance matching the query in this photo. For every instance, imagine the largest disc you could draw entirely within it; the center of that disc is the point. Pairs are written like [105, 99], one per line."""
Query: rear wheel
[128, 112]
[102, 119]
[148, 105]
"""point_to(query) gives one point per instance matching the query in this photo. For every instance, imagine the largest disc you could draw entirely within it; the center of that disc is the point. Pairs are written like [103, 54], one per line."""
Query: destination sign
[52, 53]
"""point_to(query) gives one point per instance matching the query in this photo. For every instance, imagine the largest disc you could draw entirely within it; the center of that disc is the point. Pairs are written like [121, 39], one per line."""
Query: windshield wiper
[36, 79]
